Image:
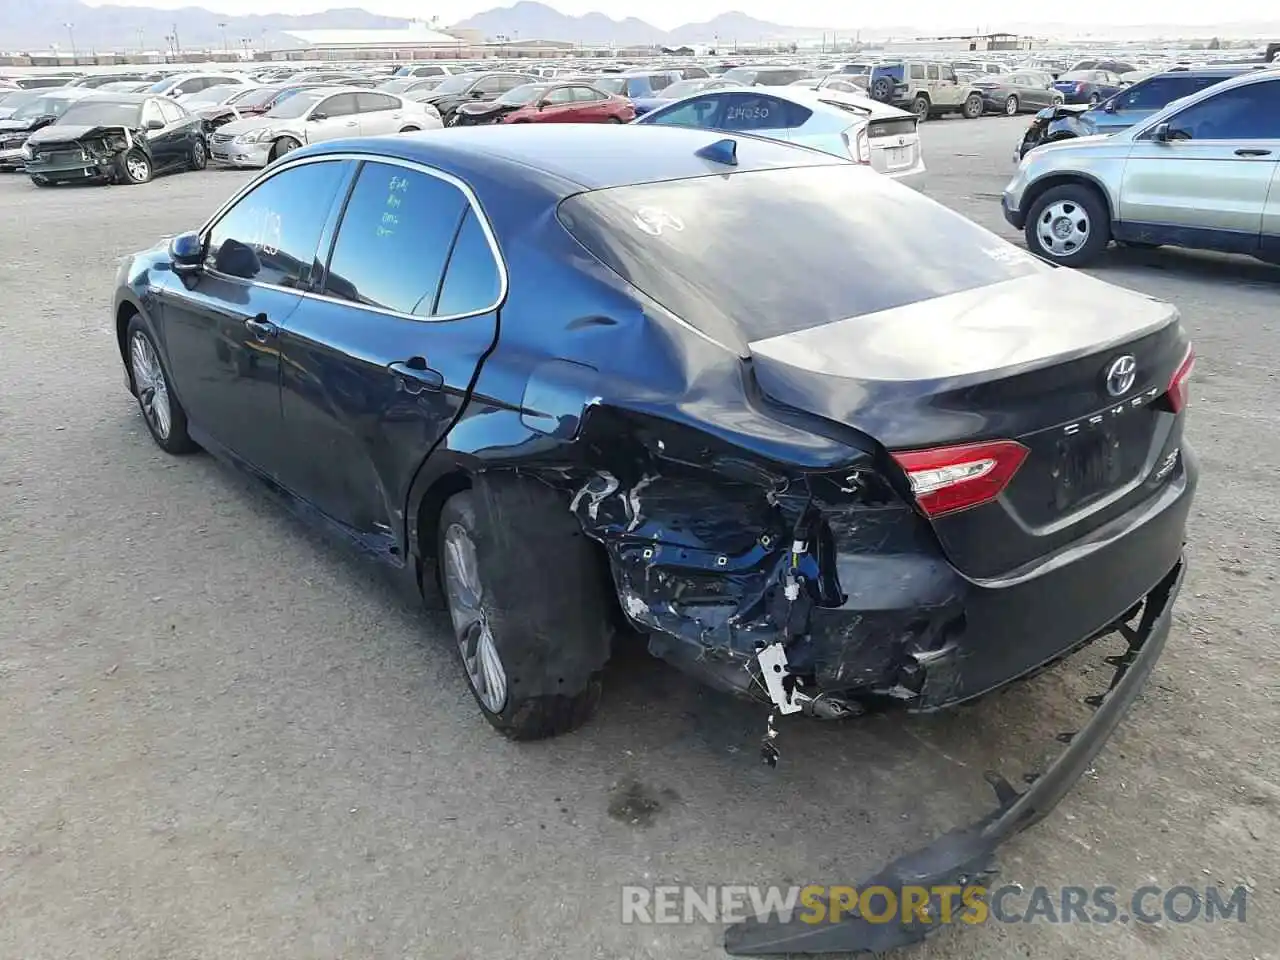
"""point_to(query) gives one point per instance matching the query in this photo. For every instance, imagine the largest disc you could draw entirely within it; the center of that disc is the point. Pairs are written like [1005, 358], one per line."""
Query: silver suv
[1204, 172]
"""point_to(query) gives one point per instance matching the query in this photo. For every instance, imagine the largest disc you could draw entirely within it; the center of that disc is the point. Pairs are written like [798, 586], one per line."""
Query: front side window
[1159, 92]
[659, 80]
[560, 95]
[394, 239]
[343, 105]
[271, 234]
[1250, 112]
[932, 72]
[151, 114]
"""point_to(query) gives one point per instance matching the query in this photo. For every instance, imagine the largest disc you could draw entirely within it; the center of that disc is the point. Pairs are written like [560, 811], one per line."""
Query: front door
[557, 106]
[221, 326]
[376, 371]
[333, 117]
[1207, 184]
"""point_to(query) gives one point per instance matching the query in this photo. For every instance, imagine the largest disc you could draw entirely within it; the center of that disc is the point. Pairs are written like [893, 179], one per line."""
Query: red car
[574, 102]
[251, 102]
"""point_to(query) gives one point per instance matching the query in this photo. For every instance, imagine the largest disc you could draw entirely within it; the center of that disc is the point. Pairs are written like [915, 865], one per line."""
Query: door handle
[415, 376]
[1250, 152]
[261, 328]
[352, 123]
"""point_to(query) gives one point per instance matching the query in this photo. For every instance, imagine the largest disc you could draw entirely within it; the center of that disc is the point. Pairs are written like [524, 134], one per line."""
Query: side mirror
[318, 116]
[1161, 133]
[154, 124]
[477, 94]
[543, 104]
[176, 93]
[186, 253]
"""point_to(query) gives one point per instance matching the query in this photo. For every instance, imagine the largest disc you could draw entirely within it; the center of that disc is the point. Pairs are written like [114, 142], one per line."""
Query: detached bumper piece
[967, 855]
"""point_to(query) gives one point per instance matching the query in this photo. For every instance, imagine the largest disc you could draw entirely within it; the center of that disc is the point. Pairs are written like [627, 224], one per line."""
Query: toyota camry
[582, 376]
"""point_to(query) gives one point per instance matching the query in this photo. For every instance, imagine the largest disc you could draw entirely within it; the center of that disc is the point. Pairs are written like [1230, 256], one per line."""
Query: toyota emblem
[1121, 374]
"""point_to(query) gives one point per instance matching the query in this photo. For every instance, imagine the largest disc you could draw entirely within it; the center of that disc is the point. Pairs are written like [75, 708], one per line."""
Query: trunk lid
[895, 143]
[1026, 359]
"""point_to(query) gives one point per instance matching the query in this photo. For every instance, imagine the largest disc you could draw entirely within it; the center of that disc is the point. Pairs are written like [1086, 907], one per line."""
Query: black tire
[973, 106]
[920, 106]
[612, 119]
[135, 168]
[882, 89]
[42, 182]
[199, 158]
[1070, 199]
[551, 623]
[175, 439]
[1093, 100]
[282, 146]
[411, 129]
[1012, 106]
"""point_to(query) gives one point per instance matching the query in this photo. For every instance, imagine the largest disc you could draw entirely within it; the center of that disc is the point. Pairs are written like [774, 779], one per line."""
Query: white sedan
[313, 116]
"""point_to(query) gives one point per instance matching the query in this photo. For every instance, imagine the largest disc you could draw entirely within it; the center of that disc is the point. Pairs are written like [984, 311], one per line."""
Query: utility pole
[71, 32]
[177, 47]
[223, 27]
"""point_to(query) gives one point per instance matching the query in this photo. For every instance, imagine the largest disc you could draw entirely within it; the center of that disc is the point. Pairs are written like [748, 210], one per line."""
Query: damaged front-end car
[98, 154]
[1054, 124]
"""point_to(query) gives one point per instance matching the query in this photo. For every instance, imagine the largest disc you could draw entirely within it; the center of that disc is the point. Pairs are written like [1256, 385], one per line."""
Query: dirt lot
[224, 736]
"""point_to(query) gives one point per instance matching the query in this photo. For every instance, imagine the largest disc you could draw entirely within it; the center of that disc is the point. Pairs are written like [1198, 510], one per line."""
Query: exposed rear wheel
[972, 106]
[920, 107]
[199, 156]
[526, 593]
[1011, 106]
[410, 129]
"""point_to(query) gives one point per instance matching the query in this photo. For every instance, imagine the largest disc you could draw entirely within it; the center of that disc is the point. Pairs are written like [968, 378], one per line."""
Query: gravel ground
[224, 735]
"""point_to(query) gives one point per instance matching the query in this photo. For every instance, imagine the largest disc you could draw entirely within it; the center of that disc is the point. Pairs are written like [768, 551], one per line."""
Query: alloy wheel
[150, 384]
[138, 168]
[465, 593]
[1063, 228]
[1011, 106]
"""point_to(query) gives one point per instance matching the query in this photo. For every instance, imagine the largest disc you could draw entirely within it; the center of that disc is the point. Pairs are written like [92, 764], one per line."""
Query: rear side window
[917, 71]
[271, 234]
[394, 239]
[749, 111]
[694, 112]
[375, 102]
[696, 247]
[472, 283]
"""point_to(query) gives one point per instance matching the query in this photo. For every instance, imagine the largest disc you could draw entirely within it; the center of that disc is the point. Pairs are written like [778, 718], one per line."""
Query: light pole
[142, 46]
[223, 28]
[71, 32]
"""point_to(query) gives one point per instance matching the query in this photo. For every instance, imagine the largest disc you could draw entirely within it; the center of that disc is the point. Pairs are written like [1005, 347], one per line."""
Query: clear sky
[929, 14]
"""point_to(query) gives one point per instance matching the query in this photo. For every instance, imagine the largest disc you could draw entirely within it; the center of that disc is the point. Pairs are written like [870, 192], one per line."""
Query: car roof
[120, 96]
[1225, 70]
[570, 158]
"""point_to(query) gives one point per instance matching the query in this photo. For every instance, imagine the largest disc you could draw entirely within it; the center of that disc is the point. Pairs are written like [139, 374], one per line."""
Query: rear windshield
[758, 254]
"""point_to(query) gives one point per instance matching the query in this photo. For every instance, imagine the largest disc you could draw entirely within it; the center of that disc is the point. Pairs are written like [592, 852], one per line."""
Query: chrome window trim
[476, 209]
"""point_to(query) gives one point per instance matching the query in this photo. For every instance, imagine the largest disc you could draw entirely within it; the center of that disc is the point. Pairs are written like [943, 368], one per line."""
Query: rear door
[1208, 184]
[591, 106]
[376, 370]
[333, 117]
[379, 114]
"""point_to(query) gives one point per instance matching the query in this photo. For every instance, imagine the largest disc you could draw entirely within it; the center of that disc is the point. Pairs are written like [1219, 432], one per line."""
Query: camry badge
[1121, 374]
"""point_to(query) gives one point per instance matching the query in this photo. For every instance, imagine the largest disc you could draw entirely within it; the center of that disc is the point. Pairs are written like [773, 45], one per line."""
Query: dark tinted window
[471, 283]
[372, 102]
[1250, 112]
[658, 81]
[394, 239]
[1158, 92]
[840, 241]
[750, 111]
[271, 234]
[694, 112]
[343, 105]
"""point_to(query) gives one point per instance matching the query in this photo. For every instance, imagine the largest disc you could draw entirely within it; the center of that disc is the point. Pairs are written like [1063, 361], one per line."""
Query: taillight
[1180, 382]
[859, 147]
[1079, 89]
[947, 479]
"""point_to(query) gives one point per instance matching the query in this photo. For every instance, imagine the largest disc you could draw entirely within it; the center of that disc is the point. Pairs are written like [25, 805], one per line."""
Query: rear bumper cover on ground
[966, 855]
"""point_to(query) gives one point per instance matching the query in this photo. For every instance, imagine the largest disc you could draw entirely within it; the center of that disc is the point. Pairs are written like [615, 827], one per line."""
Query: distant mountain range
[114, 28]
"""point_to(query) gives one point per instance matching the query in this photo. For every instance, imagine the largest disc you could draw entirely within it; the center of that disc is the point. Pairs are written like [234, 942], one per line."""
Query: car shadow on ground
[1191, 265]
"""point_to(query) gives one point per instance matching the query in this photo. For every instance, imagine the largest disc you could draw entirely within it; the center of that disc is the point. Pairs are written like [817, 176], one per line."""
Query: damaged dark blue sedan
[583, 376]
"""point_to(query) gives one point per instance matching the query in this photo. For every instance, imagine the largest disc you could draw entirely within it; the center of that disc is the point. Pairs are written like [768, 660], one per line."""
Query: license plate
[897, 156]
[1087, 465]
